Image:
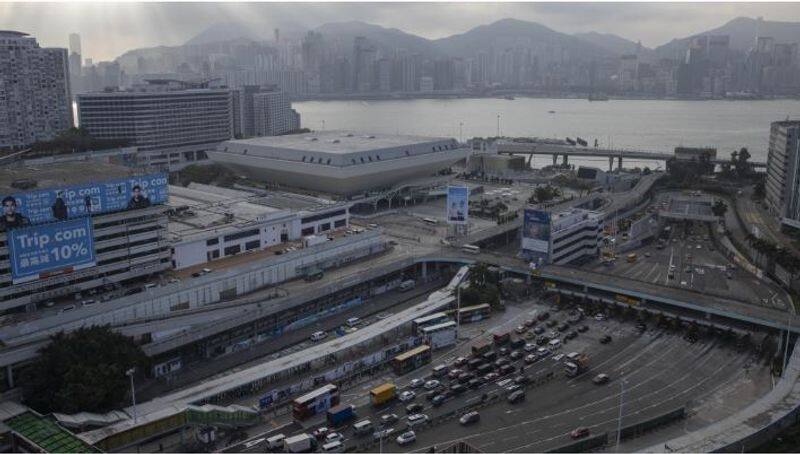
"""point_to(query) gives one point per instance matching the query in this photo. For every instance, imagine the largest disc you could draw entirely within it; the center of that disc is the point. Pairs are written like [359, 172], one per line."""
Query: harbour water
[657, 125]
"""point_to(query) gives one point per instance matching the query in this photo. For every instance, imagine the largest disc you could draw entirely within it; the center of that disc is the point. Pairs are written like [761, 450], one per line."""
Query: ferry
[594, 97]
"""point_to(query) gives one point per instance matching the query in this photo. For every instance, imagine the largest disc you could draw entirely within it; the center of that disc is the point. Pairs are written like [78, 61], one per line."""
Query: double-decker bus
[476, 313]
[412, 359]
[317, 401]
[441, 335]
[433, 319]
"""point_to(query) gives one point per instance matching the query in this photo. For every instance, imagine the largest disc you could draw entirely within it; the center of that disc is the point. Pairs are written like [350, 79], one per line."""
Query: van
[516, 396]
[362, 427]
[353, 321]
[334, 446]
[573, 355]
[440, 370]
[554, 344]
[275, 442]
[318, 336]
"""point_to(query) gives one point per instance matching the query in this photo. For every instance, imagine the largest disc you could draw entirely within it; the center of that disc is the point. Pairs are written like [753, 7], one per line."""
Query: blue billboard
[62, 203]
[457, 205]
[46, 250]
[536, 231]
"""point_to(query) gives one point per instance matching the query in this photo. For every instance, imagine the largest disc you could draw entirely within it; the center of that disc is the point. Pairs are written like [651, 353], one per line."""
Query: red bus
[315, 402]
[502, 339]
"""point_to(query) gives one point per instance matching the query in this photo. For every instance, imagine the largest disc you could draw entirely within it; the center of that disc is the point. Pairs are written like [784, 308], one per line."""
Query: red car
[580, 432]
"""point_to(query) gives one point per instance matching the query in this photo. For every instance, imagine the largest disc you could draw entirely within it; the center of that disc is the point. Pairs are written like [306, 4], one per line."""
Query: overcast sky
[109, 29]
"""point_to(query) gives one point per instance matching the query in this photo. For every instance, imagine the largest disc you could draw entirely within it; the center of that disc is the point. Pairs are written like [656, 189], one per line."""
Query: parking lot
[661, 371]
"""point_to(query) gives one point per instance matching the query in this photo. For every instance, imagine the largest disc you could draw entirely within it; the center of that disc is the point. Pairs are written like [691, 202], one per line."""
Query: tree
[719, 208]
[740, 164]
[759, 191]
[82, 371]
[544, 194]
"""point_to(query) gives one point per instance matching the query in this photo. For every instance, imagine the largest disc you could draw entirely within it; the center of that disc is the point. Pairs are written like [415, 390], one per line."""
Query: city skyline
[109, 30]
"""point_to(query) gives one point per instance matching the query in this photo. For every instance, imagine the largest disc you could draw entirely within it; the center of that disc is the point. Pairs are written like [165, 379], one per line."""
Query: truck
[340, 414]
[382, 394]
[480, 348]
[299, 443]
[577, 366]
[313, 240]
[502, 338]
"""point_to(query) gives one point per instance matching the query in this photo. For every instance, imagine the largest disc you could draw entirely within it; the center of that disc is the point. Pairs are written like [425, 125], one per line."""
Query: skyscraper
[35, 85]
[783, 172]
[75, 44]
[262, 111]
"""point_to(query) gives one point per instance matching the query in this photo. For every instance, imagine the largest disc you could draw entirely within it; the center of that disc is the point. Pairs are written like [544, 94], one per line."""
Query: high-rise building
[34, 89]
[173, 123]
[262, 111]
[783, 172]
[75, 44]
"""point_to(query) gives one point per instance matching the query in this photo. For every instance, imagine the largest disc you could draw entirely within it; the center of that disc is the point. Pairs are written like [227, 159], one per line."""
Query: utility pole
[619, 422]
[130, 373]
[498, 125]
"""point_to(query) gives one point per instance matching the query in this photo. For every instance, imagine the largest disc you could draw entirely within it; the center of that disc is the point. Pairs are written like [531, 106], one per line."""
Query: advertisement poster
[41, 251]
[457, 205]
[62, 203]
[536, 231]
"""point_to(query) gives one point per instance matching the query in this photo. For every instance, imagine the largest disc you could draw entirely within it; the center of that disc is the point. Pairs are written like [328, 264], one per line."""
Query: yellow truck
[382, 394]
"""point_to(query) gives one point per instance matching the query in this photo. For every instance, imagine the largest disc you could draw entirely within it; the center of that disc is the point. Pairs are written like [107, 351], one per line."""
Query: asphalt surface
[661, 370]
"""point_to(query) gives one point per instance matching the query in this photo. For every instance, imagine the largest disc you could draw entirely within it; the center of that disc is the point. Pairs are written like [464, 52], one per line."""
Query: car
[647, 254]
[520, 329]
[460, 361]
[475, 383]
[438, 400]
[600, 379]
[684, 283]
[542, 352]
[430, 395]
[558, 357]
[196, 274]
[333, 436]
[605, 339]
[530, 322]
[406, 438]
[318, 336]
[552, 323]
[416, 383]
[538, 330]
[414, 408]
[458, 388]
[563, 327]
[515, 355]
[599, 317]
[503, 351]
[454, 373]
[489, 356]
[417, 419]
[381, 434]
[571, 335]
[500, 363]
[407, 396]
[580, 432]
[465, 377]
[729, 275]
[641, 327]
[68, 308]
[541, 340]
[532, 358]
[516, 396]
[507, 369]
[698, 247]
[320, 433]
[432, 384]
[529, 347]
[491, 376]
[521, 379]
[88, 303]
[543, 316]
[511, 388]
[469, 418]
[530, 335]
[389, 419]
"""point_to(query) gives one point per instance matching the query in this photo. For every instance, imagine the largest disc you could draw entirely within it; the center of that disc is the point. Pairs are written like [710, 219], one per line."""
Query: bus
[428, 320]
[631, 258]
[430, 221]
[317, 401]
[470, 314]
[412, 359]
[440, 335]
[470, 249]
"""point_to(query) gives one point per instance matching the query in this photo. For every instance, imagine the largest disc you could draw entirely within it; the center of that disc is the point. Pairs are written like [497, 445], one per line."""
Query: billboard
[536, 231]
[45, 250]
[62, 203]
[457, 205]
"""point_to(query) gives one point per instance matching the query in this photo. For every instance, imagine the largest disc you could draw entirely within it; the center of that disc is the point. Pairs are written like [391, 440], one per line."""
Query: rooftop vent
[335, 141]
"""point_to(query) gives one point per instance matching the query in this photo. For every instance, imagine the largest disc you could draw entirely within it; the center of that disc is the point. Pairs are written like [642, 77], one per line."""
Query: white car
[417, 419]
[333, 436]
[558, 357]
[416, 383]
[432, 384]
[407, 396]
[406, 438]
[529, 347]
[381, 434]
[599, 317]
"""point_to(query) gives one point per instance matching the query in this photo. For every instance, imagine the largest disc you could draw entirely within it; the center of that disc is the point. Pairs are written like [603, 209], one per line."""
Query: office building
[783, 172]
[262, 111]
[173, 123]
[561, 238]
[118, 239]
[338, 162]
[34, 91]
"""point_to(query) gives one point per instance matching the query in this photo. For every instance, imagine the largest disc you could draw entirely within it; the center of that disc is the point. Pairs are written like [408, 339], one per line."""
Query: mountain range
[507, 33]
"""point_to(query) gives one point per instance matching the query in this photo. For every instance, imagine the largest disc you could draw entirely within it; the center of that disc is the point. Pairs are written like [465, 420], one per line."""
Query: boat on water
[594, 97]
[551, 111]
[509, 97]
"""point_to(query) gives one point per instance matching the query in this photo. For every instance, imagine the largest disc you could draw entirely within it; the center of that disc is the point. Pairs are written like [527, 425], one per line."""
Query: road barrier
[587, 444]
[634, 430]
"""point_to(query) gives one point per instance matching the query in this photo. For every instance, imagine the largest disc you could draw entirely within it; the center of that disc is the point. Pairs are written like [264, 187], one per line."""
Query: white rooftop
[338, 142]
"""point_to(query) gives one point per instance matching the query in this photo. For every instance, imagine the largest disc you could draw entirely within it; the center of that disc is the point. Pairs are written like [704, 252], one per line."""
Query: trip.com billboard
[536, 233]
[46, 250]
[62, 203]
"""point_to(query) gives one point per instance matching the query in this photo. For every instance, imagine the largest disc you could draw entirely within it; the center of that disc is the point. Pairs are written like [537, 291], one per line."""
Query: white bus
[471, 249]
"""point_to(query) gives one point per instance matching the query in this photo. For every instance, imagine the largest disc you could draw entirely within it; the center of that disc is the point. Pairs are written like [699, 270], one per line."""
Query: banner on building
[38, 252]
[536, 231]
[66, 202]
[457, 205]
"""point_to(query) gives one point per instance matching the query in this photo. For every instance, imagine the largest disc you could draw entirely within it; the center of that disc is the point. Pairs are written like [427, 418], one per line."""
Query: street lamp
[130, 373]
[498, 125]
[619, 421]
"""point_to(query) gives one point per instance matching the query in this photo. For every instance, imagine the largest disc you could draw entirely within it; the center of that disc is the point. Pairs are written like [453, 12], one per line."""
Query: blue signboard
[49, 249]
[62, 203]
[457, 205]
[536, 231]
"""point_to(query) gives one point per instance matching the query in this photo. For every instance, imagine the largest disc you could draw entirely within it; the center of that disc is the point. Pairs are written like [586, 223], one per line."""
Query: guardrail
[635, 430]
[584, 445]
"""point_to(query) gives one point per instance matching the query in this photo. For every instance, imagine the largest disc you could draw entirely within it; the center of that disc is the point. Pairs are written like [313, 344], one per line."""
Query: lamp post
[130, 373]
[619, 421]
[498, 125]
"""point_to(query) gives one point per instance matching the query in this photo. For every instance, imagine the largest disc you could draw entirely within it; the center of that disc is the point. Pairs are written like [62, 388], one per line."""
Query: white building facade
[783, 172]
[575, 234]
